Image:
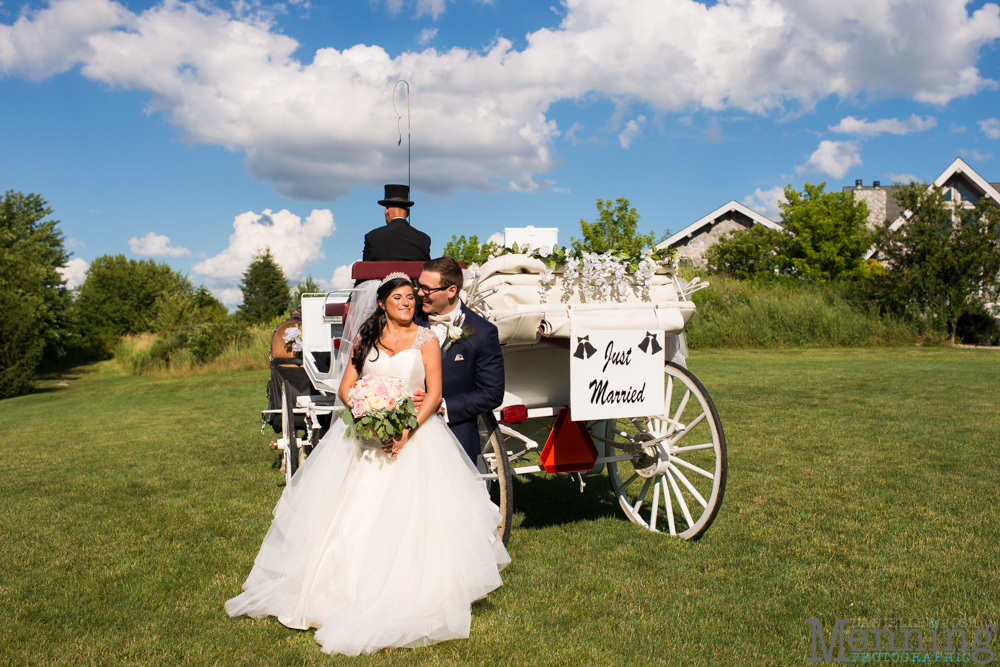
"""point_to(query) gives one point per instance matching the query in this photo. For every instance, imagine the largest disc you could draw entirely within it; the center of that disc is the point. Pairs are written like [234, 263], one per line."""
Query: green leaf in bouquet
[366, 420]
[412, 421]
[346, 417]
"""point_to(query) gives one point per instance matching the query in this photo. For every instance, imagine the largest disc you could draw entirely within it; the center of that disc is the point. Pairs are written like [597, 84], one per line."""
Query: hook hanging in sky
[398, 120]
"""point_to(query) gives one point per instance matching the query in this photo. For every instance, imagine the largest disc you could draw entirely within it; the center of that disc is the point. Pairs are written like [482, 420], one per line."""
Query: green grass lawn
[862, 483]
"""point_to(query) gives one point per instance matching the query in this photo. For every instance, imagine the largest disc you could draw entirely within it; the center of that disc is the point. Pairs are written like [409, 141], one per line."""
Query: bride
[381, 545]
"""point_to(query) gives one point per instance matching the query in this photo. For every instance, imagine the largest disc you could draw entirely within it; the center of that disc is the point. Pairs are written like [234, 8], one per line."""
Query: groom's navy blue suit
[472, 378]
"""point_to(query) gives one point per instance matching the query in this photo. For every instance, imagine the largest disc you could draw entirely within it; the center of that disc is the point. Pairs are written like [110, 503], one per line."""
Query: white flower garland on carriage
[528, 292]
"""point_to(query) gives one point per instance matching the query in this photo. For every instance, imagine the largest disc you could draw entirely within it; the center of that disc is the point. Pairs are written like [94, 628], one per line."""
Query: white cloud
[851, 125]
[633, 129]
[766, 202]
[427, 36]
[75, 243]
[316, 129]
[74, 272]
[230, 296]
[341, 278]
[902, 178]
[833, 158]
[990, 127]
[975, 155]
[294, 244]
[155, 245]
[496, 237]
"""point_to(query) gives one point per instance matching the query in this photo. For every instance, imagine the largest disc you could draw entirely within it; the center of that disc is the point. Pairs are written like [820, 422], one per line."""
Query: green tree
[469, 251]
[943, 262]
[615, 230]
[747, 253]
[310, 286]
[829, 233]
[123, 296]
[265, 289]
[34, 308]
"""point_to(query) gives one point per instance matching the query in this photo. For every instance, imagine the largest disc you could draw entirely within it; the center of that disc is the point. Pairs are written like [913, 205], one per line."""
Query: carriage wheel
[494, 460]
[288, 433]
[676, 477]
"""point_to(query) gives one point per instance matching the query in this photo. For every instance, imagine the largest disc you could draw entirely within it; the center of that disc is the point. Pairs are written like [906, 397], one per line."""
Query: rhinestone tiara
[393, 275]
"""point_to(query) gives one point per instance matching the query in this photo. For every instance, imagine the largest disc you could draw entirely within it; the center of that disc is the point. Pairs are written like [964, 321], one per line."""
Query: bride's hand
[393, 447]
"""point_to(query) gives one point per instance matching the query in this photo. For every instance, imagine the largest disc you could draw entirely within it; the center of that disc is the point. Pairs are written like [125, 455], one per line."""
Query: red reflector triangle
[569, 447]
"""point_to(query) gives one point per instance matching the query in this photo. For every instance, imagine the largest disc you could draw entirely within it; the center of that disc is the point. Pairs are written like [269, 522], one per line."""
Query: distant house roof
[971, 187]
[732, 206]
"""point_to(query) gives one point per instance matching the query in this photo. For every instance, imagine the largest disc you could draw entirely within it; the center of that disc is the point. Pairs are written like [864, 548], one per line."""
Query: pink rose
[382, 390]
[359, 409]
[391, 404]
[395, 391]
[365, 379]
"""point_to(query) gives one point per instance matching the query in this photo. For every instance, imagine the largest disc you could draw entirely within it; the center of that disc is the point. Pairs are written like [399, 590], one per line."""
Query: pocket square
[459, 357]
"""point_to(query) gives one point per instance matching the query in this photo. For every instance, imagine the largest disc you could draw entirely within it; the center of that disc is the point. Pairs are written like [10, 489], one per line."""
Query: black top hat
[396, 195]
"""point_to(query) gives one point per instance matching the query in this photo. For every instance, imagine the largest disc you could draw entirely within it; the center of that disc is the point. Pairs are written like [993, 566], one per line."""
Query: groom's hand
[418, 398]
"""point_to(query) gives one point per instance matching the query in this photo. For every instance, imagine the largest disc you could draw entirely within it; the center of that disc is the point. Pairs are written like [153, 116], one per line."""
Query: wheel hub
[649, 460]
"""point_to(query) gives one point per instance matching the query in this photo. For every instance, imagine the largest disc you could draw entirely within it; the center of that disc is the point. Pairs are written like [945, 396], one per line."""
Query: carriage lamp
[514, 414]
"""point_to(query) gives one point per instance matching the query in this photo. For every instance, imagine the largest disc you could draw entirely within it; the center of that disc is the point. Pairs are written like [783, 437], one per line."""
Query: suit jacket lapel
[462, 309]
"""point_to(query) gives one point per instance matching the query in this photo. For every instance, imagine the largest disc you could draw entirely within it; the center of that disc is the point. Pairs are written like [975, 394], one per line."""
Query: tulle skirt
[375, 551]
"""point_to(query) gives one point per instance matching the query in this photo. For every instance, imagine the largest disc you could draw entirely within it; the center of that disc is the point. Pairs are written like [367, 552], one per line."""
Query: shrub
[207, 341]
[792, 313]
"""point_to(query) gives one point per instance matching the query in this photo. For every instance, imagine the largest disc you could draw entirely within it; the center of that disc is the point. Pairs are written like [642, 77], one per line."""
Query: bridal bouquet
[380, 408]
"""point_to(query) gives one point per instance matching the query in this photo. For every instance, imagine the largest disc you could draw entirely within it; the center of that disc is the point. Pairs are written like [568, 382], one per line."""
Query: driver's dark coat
[396, 241]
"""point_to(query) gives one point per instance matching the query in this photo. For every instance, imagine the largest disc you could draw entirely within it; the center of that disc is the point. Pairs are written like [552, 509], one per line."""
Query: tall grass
[246, 352]
[784, 313]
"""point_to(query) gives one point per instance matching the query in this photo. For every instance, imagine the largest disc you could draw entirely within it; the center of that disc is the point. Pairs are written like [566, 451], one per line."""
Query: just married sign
[616, 374]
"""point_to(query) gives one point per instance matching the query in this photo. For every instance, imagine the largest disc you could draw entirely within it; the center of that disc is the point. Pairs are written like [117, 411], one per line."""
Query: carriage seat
[376, 271]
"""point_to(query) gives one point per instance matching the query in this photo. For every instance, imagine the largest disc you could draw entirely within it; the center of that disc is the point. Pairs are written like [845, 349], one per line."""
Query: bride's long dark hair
[371, 330]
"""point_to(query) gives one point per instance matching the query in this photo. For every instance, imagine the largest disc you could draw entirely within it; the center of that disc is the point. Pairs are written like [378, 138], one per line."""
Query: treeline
[45, 325]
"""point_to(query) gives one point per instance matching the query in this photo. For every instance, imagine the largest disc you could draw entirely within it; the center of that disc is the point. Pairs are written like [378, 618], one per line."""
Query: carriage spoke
[668, 506]
[641, 496]
[666, 403]
[684, 480]
[682, 405]
[691, 448]
[687, 429]
[656, 507]
[693, 468]
[630, 480]
[680, 499]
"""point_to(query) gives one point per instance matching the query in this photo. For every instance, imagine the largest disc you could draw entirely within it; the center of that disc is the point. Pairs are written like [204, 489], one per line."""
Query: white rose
[544, 250]
[454, 332]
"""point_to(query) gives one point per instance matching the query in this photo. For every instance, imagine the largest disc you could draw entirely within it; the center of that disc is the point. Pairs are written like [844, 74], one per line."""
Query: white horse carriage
[667, 466]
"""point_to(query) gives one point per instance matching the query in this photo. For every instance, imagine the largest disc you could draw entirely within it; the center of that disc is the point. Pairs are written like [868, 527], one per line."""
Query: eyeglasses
[428, 290]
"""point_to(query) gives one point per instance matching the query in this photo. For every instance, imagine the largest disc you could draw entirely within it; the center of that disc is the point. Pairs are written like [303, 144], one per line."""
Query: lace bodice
[407, 365]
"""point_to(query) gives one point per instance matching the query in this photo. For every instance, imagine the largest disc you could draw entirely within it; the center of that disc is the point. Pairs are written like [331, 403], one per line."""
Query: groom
[471, 361]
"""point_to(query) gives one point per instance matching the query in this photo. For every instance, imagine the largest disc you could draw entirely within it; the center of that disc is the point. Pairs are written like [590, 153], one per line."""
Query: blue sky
[166, 130]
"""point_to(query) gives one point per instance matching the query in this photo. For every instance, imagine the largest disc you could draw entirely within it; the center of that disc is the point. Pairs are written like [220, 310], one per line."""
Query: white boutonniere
[456, 333]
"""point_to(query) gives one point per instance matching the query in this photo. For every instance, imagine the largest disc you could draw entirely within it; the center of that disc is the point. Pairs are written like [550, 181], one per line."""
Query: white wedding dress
[375, 551]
